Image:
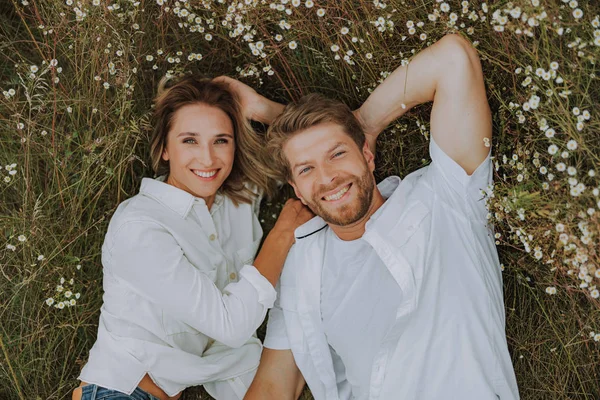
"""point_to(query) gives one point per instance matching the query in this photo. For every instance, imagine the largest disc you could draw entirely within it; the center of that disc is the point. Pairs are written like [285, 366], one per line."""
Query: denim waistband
[95, 392]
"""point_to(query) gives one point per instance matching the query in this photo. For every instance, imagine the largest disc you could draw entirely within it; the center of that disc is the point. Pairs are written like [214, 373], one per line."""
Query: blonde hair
[308, 111]
[249, 165]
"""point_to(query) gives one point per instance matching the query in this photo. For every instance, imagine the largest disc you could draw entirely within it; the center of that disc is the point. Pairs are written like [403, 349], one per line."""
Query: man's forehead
[315, 140]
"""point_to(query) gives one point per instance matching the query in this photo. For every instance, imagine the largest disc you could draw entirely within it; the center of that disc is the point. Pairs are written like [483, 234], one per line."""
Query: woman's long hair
[249, 163]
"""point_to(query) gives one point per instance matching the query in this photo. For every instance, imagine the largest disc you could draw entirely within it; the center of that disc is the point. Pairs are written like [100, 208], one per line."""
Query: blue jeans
[95, 392]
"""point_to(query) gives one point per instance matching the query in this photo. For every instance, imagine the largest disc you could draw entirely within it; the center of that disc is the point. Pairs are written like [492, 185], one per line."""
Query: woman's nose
[205, 155]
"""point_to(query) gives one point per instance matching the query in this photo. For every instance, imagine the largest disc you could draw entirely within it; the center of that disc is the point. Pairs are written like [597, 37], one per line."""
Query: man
[393, 291]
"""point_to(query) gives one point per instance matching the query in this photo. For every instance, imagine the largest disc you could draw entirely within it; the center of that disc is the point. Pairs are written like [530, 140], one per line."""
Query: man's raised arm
[449, 73]
[277, 378]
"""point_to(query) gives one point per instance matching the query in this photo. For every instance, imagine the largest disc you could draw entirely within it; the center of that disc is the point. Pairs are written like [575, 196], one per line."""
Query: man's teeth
[337, 195]
[205, 174]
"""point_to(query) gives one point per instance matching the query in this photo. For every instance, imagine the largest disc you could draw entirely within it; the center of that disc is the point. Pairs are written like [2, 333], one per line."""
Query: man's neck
[357, 229]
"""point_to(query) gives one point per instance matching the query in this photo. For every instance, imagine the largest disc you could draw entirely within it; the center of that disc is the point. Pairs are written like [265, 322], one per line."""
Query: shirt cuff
[276, 337]
[266, 291]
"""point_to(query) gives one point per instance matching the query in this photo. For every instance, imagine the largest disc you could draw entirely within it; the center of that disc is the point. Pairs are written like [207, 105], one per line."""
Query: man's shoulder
[305, 250]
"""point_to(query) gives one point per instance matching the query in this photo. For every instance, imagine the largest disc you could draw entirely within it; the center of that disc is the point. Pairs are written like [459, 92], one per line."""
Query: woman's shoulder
[146, 208]
[139, 210]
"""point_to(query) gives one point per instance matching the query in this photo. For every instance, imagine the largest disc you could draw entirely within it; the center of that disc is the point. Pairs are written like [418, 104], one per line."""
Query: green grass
[82, 149]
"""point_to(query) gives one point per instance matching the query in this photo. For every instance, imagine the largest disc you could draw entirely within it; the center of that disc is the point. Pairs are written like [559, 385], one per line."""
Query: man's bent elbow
[457, 51]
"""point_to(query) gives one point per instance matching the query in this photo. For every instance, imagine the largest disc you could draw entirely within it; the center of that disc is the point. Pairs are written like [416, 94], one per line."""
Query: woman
[182, 301]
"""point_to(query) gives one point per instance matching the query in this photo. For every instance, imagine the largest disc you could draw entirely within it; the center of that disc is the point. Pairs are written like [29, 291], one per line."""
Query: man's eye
[304, 170]
[339, 153]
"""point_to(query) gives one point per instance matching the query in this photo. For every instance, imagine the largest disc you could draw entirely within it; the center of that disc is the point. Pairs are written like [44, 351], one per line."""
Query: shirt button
[232, 276]
[212, 237]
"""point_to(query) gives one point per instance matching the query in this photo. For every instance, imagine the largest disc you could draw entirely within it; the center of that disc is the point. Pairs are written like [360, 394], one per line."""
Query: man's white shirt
[446, 337]
[359, 299]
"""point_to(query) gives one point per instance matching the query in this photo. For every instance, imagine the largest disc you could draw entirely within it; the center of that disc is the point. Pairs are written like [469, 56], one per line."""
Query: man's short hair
[308, 111]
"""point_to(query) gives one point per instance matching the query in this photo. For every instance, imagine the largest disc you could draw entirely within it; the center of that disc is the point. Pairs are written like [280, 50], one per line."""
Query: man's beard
[348, 213]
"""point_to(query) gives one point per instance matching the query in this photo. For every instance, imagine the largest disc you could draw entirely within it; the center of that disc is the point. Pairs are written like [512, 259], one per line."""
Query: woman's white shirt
[181, 299]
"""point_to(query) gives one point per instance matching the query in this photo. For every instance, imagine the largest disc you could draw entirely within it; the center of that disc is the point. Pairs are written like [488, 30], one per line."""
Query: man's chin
[338, 217]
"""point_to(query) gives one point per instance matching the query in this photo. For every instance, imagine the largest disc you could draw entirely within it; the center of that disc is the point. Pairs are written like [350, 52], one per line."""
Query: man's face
[331, 174]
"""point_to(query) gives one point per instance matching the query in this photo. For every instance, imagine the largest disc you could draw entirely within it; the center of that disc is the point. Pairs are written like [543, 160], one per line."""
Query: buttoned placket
[208, 226]
[402, 273]
[309, 311]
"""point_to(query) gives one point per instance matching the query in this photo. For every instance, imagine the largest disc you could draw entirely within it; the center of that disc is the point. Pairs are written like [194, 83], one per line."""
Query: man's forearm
[408, 86]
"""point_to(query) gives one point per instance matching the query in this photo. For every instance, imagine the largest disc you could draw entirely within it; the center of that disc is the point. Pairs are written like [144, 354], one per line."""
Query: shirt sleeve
[276, 337]
[150, 261]
[464, 193]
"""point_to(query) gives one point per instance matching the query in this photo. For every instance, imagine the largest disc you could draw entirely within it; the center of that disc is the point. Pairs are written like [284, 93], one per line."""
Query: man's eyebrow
[301, 163]
[229, 135]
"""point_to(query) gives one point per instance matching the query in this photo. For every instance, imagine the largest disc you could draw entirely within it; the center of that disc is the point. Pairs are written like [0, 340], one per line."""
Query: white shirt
[359, 299]
[181, 300]
[447, 338]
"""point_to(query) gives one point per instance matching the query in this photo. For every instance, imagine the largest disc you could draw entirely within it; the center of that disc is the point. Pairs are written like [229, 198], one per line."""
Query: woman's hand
[293, 214]
[254, 106]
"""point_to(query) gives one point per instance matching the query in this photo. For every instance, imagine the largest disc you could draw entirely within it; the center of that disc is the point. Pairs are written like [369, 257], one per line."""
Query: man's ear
[297, 192]
[369, 156]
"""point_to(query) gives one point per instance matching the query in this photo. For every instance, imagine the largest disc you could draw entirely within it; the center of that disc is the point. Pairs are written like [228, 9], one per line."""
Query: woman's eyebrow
[229, 135]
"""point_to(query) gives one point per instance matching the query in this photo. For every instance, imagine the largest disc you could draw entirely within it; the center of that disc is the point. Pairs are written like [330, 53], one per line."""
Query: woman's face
[200, 150]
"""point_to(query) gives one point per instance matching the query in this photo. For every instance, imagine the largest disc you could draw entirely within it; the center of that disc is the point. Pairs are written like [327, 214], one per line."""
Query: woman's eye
[221, 141]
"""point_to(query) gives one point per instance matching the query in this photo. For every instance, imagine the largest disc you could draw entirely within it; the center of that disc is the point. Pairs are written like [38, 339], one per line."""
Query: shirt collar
[387, 187]
[174, 198]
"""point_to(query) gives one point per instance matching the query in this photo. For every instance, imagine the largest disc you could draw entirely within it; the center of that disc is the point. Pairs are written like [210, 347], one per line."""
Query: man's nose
[328, 173]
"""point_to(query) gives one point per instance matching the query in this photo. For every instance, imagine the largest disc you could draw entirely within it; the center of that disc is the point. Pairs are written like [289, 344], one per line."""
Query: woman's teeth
[205, 174]
[338, 195]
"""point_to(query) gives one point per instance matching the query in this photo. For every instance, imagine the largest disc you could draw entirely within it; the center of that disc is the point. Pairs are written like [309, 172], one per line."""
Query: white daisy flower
[551, 290]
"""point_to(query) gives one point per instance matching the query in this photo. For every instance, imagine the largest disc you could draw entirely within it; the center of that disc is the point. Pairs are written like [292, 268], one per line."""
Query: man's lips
[337, 193]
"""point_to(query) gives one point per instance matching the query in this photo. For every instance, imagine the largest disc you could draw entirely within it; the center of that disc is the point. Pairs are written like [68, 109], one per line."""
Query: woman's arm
[254, 106]
[271, 258]
[144, 256]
